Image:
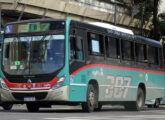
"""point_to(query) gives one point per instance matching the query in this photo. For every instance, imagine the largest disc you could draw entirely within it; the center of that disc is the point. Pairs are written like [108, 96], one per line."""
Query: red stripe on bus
[118, 67]
[31, 85]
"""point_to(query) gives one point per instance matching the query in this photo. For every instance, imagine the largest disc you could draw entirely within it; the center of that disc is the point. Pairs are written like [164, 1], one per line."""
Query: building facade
[81, 10]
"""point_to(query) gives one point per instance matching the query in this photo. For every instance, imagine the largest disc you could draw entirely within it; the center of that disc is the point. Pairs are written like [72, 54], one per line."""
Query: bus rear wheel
[140, 99]
[89, 105]
[99, 107]
[32, 107]
[139, 103]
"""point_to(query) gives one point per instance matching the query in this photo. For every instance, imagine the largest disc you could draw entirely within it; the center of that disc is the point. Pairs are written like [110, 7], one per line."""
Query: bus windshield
[33, 55]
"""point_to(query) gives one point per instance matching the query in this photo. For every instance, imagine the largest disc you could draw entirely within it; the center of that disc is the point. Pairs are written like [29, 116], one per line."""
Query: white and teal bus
[50, 61]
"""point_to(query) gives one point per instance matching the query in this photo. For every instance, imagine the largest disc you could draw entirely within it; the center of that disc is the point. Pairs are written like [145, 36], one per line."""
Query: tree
[161, 24]
[155, 20]
[148, 12]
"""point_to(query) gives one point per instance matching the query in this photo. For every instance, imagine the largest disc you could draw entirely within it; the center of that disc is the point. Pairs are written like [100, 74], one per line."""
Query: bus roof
[109, 26]
[148, 40]
[124, 32]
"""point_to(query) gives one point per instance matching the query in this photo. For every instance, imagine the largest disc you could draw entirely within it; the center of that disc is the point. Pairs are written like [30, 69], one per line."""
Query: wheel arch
[94, 83]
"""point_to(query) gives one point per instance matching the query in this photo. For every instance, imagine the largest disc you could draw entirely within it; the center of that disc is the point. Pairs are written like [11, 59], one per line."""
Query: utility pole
[155, 19]
[115, 13]
[142, 18]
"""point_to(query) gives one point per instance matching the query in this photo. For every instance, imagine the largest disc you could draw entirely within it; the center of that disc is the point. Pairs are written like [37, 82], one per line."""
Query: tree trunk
[155, 20]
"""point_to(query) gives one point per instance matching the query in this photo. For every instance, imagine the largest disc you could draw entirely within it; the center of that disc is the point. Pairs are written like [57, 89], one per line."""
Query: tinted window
[161, 57]
[76, 48]
[112, 47]
[141, 50]
[127, 50]
[153, 55]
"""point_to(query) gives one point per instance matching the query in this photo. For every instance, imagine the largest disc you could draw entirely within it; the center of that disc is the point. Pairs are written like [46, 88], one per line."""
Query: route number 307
[117, 87]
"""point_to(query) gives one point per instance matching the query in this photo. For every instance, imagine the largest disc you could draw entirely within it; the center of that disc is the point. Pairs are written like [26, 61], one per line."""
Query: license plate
[29, 99]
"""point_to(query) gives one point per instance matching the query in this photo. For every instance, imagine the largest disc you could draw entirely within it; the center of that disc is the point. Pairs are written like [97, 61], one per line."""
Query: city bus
[62, 61]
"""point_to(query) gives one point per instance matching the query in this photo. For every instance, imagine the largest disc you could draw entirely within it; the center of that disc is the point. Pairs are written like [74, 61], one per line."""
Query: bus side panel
[114, 84]
[154, 85]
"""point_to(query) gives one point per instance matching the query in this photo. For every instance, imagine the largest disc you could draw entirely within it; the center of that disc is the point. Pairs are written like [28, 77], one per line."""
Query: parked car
[155, 102]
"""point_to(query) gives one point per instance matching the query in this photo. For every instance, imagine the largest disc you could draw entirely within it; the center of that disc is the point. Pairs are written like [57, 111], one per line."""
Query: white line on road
[112, 117]
[24, 119]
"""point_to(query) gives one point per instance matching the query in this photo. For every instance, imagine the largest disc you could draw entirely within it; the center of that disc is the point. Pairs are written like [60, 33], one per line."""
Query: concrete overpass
[13, 10]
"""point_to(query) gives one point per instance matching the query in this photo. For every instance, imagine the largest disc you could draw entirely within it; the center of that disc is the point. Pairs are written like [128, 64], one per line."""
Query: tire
[7, 106]
[99, 107]
[157, 103]
[90, 103]
[149, 106]
[32, 107]
[140, 99]
[139, 103]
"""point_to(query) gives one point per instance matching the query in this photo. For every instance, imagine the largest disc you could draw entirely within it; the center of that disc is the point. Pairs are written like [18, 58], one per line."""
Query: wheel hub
[91, 98]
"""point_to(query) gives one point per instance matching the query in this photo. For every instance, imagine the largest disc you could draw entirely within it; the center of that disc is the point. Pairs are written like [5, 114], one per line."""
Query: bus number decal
[118, 87]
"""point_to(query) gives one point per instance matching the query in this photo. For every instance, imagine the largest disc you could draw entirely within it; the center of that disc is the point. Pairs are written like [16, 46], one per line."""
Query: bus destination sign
[27, 27]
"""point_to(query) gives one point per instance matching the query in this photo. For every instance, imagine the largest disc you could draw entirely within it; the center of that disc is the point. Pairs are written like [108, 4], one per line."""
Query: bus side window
[95, 44]
[141, 52]
[128, 51]
[112, 47]
[153, 55]
[156, 60]
[161, 57]
[76, 48]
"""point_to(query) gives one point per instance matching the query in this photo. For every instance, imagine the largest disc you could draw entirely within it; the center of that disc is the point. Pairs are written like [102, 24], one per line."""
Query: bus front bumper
[60, 94]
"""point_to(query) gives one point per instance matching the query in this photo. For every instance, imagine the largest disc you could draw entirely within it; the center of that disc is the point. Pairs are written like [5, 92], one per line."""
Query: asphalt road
[19, 112]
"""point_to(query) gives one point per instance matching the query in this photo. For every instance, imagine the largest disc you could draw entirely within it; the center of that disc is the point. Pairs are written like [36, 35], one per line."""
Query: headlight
[59, 82]
[3, 84]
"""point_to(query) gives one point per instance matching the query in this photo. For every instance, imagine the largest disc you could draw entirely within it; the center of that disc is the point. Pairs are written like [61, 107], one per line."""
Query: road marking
[129, 117]
[24, 119]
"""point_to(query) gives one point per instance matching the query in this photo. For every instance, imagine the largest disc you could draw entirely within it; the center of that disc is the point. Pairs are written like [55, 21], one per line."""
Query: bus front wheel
[32, 107]
[7, 106]
[89, 105]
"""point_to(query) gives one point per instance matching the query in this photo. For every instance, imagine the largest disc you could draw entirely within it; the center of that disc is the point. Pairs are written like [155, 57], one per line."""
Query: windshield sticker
[21, 67]
[17, 63]
[95, 46]
[13, 67]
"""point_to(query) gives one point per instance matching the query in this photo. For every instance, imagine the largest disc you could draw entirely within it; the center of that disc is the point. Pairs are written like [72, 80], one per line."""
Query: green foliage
[147, 11]
[145, 8]
[162, 28]
[162, 23]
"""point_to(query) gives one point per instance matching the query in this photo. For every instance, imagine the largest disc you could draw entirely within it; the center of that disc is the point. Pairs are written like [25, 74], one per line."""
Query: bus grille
[38, 96]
